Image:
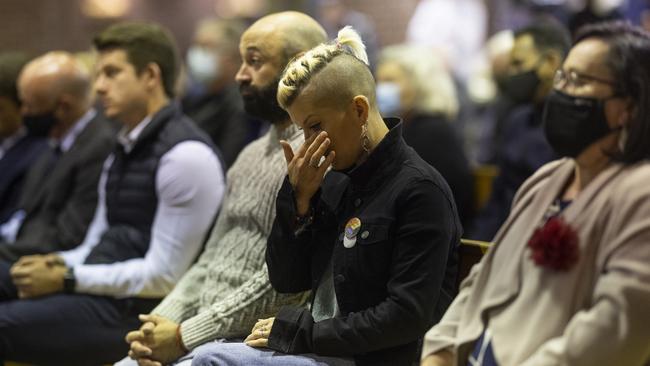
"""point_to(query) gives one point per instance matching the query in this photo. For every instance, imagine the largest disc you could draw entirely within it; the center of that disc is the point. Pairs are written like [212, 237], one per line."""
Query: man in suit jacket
[60, 191]
[18, 149]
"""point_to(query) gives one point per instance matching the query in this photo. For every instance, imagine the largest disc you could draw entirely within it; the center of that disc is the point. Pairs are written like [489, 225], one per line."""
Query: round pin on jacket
[352, 228]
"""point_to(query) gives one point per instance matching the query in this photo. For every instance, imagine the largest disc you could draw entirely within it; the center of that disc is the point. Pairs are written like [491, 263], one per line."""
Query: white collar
[128, 139]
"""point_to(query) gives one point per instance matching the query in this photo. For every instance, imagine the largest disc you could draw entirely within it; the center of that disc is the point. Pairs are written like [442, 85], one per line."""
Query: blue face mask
[388, 98]
[202, 64]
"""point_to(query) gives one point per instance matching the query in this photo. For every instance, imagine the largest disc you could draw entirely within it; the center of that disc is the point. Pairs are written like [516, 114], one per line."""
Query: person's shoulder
[255, 149]
[193, 162]
[542, 176]
[416, 171]
[416, 167]
[99, 136]
[30, 143]
[634, 181]
[520, 115]
[548, 169]
[102, 127]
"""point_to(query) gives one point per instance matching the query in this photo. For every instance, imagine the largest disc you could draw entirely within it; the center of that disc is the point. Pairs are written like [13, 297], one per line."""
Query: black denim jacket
[398, 278]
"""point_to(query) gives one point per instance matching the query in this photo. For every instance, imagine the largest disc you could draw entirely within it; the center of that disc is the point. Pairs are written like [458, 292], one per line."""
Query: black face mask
[40, 125]
[521, 87]
[571, 124]
[263, 103]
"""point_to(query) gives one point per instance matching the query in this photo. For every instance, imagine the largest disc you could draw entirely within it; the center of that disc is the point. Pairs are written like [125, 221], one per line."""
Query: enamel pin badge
[351, 230]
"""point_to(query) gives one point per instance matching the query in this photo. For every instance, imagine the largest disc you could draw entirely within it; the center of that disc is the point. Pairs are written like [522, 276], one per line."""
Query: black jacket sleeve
[288, 256]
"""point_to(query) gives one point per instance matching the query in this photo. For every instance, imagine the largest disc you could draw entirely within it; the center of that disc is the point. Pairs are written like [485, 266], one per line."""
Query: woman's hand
[305, 170]
[259, 336]
[441, 358]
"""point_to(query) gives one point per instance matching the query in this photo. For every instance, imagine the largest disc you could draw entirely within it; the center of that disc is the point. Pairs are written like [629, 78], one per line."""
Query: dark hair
[10, 65]
[144, 43]
[548, 34]
[629, 61]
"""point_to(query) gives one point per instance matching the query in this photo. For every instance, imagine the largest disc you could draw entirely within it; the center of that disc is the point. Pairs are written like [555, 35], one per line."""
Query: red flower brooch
[555, 245]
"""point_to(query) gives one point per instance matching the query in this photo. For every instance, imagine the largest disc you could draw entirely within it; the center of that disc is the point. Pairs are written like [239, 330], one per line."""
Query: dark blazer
[398, 278]
[434, 139]
[60, 200]
[13, 167]
[523, 149]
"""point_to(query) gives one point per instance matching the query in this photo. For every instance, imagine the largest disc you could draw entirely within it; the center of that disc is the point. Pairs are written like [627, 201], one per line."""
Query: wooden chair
[484, 176]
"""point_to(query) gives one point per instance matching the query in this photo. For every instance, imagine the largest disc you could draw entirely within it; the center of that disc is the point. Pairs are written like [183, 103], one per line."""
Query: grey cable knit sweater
[228, 290]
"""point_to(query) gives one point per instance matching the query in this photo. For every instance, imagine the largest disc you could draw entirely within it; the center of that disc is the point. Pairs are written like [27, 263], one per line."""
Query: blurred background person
[414, 84]
[59, 195]
[213, 100]
[521, 147]
[18, 149]
[490, 105]
[335, 14]
[583, 12]
[455, 28]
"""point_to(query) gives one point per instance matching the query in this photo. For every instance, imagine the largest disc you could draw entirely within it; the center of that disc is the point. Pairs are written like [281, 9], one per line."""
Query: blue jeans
[483, 355]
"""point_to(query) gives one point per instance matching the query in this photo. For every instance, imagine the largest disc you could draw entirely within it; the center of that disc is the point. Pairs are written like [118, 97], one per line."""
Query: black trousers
[65, 329]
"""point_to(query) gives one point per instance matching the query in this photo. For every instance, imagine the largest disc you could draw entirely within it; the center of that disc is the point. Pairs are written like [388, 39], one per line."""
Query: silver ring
[314, 165]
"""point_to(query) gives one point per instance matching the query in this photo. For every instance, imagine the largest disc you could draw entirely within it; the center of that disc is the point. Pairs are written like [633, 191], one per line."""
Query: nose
[100, 84]
[242, 75]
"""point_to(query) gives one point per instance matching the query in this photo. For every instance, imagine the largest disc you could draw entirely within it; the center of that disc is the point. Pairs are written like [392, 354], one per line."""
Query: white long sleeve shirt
[190, 187]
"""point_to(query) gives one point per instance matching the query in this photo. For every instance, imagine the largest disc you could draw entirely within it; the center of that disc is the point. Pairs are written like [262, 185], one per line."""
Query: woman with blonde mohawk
[362, 221]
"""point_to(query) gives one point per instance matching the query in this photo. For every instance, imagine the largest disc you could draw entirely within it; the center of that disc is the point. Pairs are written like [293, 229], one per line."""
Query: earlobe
[362, 107]
[552, 63]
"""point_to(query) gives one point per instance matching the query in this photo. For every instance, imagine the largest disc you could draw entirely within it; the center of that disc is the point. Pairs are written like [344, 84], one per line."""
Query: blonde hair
[301, 70]
[434, 85]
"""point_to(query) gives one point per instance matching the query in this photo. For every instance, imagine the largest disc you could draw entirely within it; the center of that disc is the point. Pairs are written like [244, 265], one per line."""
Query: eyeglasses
[576, 79]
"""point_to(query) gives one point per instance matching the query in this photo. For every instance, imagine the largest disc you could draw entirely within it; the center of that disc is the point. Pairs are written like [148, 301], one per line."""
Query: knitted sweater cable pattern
[228, 289]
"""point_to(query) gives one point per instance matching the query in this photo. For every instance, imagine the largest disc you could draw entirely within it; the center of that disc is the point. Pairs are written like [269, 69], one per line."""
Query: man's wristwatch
[69, 281]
